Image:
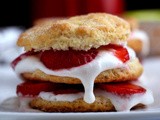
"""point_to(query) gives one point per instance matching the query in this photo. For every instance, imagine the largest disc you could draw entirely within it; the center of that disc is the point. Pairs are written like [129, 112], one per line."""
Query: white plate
[8, 82]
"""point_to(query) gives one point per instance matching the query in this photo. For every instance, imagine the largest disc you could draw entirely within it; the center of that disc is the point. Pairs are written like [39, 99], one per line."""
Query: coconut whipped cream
[126, 103]
[141, 35]
[50, 96]
[87, 73]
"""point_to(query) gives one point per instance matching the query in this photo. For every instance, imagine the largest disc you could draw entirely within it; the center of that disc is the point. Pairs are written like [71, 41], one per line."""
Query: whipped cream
[141, 35]
[50, 96]
[126, 103]
[87, 73]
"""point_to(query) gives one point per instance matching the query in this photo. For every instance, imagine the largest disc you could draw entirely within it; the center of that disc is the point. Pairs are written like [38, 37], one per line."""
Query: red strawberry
[68, 89]
[119, 51]
[123, 89]
[66, 59]
[34, 88]
[22, 56]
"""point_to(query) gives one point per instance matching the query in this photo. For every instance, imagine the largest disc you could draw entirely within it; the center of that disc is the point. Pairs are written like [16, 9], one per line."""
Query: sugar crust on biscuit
[79, 33]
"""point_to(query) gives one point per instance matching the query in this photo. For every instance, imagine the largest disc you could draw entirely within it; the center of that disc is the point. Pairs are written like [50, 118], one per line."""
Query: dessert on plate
[80, 64]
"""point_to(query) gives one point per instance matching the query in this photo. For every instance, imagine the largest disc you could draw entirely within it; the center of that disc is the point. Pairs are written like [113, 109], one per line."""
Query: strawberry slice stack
[66, 59]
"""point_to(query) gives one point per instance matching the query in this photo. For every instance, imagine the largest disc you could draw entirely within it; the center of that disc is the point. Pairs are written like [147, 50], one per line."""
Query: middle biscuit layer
[133, 71]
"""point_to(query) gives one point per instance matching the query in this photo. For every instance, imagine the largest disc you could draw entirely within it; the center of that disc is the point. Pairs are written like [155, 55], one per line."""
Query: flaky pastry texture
[79, 33]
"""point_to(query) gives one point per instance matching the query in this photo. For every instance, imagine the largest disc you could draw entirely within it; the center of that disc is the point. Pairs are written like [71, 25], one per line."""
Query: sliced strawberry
[123, 89]
[66, 59]
[22, 56]
[68, 89]
[119, 51]
[34, 88]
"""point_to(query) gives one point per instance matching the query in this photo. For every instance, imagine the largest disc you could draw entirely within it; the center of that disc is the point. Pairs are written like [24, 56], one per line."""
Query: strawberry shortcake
[80, 64]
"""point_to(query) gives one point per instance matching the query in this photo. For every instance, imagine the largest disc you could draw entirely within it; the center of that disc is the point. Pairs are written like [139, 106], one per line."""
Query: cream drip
[126, 103]
[87, 73]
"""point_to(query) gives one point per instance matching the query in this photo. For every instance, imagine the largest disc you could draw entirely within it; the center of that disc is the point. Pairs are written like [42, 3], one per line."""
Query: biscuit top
[79, 33]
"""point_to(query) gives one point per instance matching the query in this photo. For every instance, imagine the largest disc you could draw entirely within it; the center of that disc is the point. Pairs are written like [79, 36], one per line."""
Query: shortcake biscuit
[79, 33]
[132, 72]
[101, 104]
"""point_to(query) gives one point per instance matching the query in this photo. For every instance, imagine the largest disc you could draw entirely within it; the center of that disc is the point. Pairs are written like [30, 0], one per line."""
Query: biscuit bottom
[101, 104]
[133, 70]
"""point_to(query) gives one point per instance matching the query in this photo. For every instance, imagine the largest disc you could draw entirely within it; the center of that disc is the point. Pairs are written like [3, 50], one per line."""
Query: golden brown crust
[132, 72]
[79, 33]
[135, 44]
[101, 104]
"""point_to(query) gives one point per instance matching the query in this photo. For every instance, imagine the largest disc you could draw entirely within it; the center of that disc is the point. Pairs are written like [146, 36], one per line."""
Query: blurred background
[24, 12]
[18, 15]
